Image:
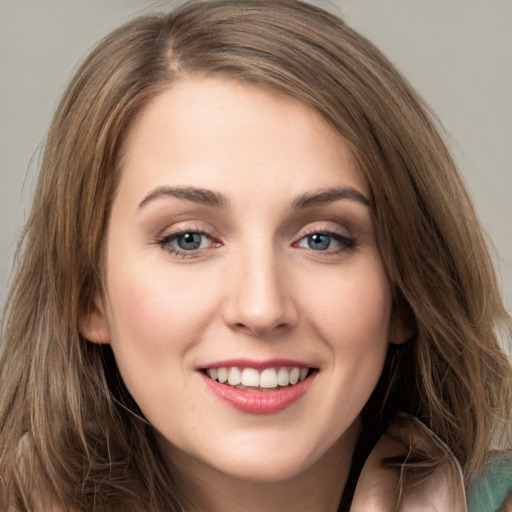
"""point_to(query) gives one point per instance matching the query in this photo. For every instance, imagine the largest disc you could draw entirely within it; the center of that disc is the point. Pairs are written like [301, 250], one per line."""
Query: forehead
[218, 133]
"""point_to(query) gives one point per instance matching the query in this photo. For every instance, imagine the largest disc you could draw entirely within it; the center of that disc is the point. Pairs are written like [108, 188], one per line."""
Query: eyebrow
[196, 195]
[312, 199]
[217, 200]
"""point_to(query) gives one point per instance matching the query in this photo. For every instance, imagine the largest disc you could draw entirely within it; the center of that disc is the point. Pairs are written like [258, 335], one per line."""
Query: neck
[317, 489]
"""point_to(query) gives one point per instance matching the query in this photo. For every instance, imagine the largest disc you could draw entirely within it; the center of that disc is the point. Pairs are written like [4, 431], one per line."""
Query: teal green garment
[491, 490]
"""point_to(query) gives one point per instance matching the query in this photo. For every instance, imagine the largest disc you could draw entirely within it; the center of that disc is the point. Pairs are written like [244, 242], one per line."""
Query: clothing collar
[382, 488]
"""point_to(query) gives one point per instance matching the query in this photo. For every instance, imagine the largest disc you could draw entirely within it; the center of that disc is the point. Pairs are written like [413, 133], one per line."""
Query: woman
[251, 280]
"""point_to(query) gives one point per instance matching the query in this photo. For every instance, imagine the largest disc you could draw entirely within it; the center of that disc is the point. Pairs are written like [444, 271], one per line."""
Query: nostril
[259, 329]
[257, 308]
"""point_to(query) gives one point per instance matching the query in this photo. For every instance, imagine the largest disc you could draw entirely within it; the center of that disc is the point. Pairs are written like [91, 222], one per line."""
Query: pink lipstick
[256, 387]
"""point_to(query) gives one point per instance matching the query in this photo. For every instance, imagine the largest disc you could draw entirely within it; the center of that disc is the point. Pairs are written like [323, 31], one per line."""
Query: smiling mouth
[268, 379]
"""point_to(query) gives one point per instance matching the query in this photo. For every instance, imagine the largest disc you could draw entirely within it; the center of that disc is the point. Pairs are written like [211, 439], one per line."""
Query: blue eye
[184, 242]
[189, 241]
[319, 242]
[331, 242]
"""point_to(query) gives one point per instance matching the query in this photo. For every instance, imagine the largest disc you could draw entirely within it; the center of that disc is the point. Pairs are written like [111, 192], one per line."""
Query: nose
[259, 299]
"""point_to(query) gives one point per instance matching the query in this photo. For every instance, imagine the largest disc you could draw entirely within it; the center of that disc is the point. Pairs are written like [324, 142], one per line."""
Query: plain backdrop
[457, 53]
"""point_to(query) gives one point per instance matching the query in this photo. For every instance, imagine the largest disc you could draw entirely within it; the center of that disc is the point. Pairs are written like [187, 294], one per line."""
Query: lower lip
[259, 402]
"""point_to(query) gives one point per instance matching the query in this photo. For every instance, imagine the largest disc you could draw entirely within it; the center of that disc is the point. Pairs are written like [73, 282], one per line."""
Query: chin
[266, 469]
[260, 459]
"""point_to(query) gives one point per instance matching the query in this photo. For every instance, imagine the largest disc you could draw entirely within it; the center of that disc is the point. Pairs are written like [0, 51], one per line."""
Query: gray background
[457, 53]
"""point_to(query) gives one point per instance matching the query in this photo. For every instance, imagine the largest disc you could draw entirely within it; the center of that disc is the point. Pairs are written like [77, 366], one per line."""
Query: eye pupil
[319, 242]
[189, 241]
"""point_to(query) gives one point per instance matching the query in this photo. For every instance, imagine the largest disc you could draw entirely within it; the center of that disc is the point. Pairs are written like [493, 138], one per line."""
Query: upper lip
[257, 365]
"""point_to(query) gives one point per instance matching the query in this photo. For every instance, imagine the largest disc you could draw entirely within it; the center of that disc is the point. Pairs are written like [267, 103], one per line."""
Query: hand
[507, 504]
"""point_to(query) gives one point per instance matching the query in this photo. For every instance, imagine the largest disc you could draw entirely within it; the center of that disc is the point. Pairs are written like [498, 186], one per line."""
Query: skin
[254, 289]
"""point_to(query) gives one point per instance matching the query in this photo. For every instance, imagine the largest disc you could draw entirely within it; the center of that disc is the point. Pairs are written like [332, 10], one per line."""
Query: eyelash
[346, 243]
[165, 242]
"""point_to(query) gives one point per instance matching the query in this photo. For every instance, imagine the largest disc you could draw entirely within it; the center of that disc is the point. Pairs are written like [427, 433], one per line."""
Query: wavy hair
[70, 433]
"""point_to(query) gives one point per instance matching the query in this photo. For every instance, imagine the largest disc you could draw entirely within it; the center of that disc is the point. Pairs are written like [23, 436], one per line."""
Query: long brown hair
[69, 430]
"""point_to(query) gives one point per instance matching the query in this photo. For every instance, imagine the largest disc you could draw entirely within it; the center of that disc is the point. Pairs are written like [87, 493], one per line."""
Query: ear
[400, 330]
[93, 323]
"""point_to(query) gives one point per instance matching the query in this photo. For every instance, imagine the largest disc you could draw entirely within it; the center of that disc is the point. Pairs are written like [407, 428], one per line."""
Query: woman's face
[241, 246]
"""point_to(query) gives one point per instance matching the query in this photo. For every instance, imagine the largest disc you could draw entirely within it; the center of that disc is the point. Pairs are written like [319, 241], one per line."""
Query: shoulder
[490, 492]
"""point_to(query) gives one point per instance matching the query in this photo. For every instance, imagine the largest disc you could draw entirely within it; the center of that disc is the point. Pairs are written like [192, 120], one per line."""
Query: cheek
[351, 307]
[351, 313]
[156, 315]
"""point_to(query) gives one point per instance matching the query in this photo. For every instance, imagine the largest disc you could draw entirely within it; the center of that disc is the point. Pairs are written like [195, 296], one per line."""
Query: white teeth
[294, 376]
[268, 378]
[250, 377]
[222, 375]
[234, 376]
[283, 377]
